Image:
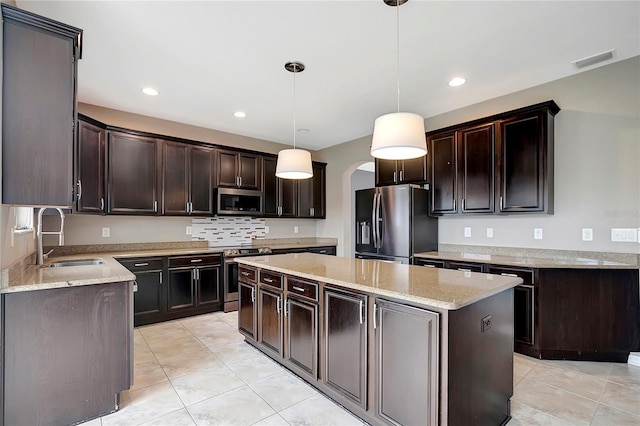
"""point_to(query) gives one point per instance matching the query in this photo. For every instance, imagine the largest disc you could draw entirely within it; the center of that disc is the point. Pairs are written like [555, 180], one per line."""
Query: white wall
[597, 173]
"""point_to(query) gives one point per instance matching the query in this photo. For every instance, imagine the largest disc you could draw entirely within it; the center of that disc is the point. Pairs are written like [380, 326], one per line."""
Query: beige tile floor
[198, 371]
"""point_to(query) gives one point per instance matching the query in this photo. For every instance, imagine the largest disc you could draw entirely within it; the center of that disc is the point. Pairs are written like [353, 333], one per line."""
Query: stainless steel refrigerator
[393, 223]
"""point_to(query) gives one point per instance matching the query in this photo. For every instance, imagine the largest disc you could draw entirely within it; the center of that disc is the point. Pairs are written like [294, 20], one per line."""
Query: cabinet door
[227, 168]
[345, 344]
[406, 368]
[270, 186]
[270, 320]
[132, 174]
[201, 180]
[148, 299]
[442, 154]
[208, 285]
[91, 146]
[312, 194]
[249, 171]
[466, 266]
[386, 173]
[38, 115]
[288, 193]
[175, 178]
[181, 289]
[302, 332]
[476, 169]
[247, 315]
[523, 156]
[413, 170]
[523, 314]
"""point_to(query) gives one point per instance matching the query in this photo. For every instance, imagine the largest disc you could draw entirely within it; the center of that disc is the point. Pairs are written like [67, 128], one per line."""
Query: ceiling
[211, 58]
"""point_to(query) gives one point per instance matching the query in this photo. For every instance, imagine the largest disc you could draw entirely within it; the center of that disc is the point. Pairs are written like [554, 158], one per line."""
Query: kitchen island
[394, 344]
[66, 342]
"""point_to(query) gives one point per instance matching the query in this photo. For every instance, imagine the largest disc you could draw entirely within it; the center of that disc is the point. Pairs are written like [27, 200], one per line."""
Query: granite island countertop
[441, 288]
[526, 261]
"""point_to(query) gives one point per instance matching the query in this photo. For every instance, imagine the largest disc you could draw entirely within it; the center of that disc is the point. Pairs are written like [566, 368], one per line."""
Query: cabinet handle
[295, 287]
[501, 205]
[375, 314]
[135, 286]
[253, 295]
[464, 269]
[246, 274]
[137, 265]
[463, 205]
[509, 275]
[102, 204]
[401, 175]
[278, 308]
[322, 252]
[394, 181]
[196, 260]
[361, 312]
[160, 277]
[240, 179]
[454, 205]
[312, 211]
[267, 280]
[284, 307]
[279, 210]
[155, 206]
[429, 266]
[79, 189]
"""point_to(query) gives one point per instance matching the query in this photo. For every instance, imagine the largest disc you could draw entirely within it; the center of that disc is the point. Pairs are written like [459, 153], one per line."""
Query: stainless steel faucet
[40, 233]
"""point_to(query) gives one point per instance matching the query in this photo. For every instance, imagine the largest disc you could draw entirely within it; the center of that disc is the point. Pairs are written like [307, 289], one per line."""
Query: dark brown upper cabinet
[239, 169]
[525, 172]
[280, 195]
[312, 194]
[394, 172]
[132, 170]
[38, 109]
[502, 163]
[91, 167]
[187, 179]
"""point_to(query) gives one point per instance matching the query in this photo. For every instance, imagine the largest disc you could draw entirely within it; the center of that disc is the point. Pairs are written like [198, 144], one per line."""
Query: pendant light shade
[399, 136]
[294, 163]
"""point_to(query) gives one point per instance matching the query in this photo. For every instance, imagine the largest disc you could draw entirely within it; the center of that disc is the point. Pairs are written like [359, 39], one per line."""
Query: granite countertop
[441, 288]
[526, 261]
[31, 277]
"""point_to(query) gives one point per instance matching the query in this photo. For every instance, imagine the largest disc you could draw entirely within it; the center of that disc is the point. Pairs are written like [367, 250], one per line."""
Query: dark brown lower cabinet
[302, 336]
[181, 289]
[406, 364]
[67, 353]
[345, 344]
[270, 324]
[247, 310]
[149, 299]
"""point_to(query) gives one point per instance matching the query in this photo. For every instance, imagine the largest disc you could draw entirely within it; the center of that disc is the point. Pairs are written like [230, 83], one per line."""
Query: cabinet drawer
[429, 263]
[527, 275]
[273, 280]
[247, 275]
[188, 261]
[139, 265]
[466, 266]
[302, 288]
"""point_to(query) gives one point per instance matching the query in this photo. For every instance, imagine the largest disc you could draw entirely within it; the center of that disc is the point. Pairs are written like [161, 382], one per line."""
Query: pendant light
[399, 135]
[294, 163]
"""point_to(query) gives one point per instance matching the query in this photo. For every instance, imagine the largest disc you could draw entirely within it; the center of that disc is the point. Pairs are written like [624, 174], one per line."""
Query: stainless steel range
[231, 273]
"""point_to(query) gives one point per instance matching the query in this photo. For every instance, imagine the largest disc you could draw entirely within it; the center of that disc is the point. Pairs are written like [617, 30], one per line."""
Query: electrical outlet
[295, 229]
[537, 233]
[624, 235]
[587, 234]
[467, 231]
[188, 230]
[266, 229]
[106, 232]
[489, 232]
[486, 323]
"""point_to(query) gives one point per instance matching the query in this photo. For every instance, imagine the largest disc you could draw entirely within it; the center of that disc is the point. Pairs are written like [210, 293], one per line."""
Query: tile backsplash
[227, 231]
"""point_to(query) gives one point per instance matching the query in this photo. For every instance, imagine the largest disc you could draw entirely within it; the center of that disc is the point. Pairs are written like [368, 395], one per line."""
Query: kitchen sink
[79, 262]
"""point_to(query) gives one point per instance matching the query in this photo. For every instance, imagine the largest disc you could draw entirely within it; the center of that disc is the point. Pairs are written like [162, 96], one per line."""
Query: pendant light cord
[398, 49]
[295, 70]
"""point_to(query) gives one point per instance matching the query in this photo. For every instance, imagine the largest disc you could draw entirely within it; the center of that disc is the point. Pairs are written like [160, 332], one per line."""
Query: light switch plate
[295, 229]
[537, 233]
[266, 229]
[467, 231]
[587, 234]
[489, 232]
[106, 232]
[188, 230]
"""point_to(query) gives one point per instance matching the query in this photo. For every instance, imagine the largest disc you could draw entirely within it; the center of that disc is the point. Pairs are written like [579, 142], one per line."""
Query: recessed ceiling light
[150, 91]
[239, 114]
[457, 81]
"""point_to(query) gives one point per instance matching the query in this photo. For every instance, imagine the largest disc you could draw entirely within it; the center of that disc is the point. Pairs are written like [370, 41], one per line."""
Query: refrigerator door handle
[373, 220]
[379, 221]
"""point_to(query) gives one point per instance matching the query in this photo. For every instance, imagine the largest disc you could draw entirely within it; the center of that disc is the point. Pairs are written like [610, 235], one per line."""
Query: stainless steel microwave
[237, 202]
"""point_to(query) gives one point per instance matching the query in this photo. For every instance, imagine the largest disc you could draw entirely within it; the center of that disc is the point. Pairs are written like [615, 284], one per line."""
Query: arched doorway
[359, 175]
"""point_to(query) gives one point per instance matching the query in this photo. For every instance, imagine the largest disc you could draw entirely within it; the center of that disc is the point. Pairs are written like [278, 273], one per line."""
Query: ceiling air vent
[594, 59]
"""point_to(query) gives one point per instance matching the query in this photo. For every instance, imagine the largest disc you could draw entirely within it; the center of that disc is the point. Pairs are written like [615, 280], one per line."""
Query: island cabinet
[40, 58]
[132, 165]
[238, 169]
[187, 179]
[388, 360]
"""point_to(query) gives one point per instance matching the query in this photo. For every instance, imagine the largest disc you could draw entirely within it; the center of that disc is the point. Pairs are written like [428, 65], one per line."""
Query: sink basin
[79, 262]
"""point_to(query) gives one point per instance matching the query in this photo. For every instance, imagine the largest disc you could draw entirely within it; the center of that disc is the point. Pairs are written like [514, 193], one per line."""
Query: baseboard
[634, 359]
